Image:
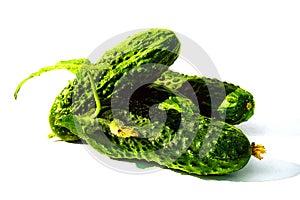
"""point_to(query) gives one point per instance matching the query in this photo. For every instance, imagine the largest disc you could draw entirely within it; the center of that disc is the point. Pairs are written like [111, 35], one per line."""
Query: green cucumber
[187, 141]
[153, 46]
[220, 100]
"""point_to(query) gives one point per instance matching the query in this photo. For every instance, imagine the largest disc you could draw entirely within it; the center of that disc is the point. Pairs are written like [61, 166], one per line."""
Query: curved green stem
[98, 104]
[71, 65]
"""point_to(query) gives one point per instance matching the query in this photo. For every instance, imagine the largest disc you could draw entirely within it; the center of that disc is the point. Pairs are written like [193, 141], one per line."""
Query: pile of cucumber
[129, 105]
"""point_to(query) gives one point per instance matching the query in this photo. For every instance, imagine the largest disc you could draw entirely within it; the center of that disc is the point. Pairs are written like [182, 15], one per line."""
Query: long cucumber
[186, 142]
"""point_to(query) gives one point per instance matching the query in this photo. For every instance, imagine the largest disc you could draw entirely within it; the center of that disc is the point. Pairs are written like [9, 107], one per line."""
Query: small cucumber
[217, 99]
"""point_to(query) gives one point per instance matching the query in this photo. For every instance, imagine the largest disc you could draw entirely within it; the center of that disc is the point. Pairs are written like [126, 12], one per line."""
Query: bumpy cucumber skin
[220, 100]
[62, 106]
[238, 106]
[229, 149]
[228, 153]
[187, 141]
[213, 151]
[152, 46]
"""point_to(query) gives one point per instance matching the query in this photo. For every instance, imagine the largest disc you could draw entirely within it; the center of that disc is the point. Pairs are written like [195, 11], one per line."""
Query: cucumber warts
[181, 140]
[153, 46]
[235, 106]
[201, 146]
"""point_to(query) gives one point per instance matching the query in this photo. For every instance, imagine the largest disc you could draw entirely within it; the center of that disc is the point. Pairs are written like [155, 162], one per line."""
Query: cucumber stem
[98, 104]
[70, 65]
[38, 73]
[257, 150]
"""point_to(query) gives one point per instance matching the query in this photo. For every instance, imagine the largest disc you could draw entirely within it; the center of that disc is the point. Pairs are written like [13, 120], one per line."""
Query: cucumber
[187, 141]
[220, 100]
[153, 46]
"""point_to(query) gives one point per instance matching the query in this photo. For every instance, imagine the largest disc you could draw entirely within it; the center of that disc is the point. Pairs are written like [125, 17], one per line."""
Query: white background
[254, 44]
